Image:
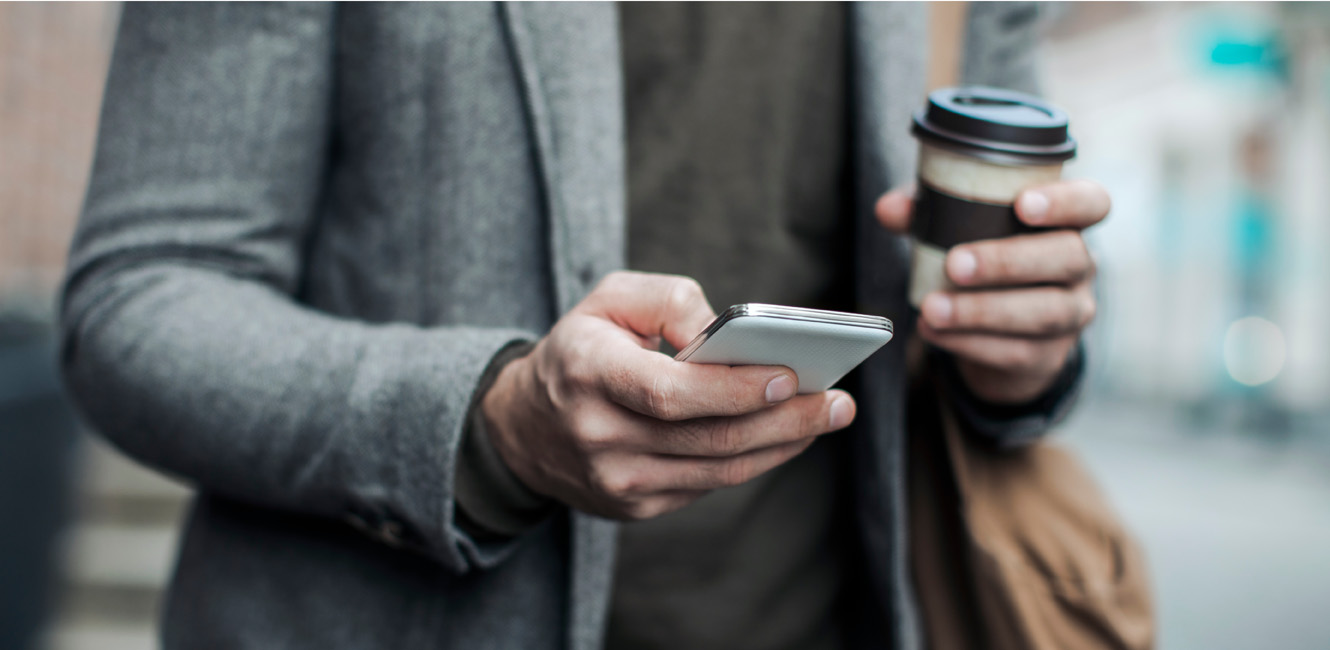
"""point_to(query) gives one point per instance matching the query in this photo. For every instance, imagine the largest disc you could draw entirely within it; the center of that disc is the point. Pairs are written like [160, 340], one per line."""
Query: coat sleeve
[1011, 426]
[1002, 44]
[182, 340]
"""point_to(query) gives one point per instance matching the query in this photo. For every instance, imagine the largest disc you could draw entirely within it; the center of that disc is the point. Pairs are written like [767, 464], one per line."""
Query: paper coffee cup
[978, 149]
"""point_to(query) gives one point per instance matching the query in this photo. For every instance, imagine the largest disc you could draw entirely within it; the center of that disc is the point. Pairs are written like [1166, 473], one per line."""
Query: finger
[653, 304]
[1065, 204]
[1031, 312]
[804, 417]
[655, 505]
[1010, 354]
[894, 209]
[1059, 257]
[659, 387]
[658, 473]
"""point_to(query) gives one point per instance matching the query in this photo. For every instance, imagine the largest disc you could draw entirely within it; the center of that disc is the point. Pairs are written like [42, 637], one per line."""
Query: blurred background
[1207, 417]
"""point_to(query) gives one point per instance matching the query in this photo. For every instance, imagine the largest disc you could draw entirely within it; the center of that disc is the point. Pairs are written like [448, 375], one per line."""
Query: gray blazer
[308, 230]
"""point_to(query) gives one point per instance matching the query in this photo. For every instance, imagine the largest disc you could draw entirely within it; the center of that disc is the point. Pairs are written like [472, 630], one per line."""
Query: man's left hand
[1021, 302]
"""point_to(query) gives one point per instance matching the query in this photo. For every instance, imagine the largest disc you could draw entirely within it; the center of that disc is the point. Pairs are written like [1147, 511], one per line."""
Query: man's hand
[598, 419]
[1022, 301]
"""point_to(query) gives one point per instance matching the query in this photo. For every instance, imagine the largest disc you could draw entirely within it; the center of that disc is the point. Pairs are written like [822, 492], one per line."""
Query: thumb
[894, 209]
[653, 304]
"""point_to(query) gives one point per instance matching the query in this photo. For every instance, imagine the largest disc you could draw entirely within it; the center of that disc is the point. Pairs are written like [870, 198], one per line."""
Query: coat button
[357, 522]
[586, 274]
[390, 532]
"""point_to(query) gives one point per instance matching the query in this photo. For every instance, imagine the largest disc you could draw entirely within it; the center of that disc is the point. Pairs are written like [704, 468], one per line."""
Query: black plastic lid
[998, 121]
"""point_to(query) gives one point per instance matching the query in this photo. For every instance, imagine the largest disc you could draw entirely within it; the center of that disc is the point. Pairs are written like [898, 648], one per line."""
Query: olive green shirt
[737, 142]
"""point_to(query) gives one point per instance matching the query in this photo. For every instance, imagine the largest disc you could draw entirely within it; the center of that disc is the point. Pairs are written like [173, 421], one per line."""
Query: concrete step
[118, 553]
[99, 604]
[107, 472]
[101, 636]
[108, 554]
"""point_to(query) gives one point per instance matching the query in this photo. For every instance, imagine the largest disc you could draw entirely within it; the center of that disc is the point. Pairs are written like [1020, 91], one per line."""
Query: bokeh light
[1253, 350]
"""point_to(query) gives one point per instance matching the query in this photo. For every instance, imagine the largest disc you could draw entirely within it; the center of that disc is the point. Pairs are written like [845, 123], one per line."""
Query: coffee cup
[979, 148]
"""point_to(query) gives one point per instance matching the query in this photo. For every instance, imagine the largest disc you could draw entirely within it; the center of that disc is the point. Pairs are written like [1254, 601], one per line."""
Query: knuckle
[561, 388]
[1089, 309]
[1082, 265]
[643, 509]
[640, 510]
[1022, 356]
[578, 368]
[594, 433]
[661, 399]
[736, 472]
[690, 434]
[993, 261]
[1099, 196]
[688, 288]
[737, 398]
[1007, 356]
[608, 283]
[814, 420]
[1068, 321]
[683, 292]
[577, 373]
[614, 279]
[1071, 317]
[970, 310]
[616, 484]
[1049, 323]
[727, 438]
[1059, 312]
[618, 379]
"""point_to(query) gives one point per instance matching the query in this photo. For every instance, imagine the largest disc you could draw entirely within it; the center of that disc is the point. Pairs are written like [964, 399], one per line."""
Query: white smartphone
[820, 346]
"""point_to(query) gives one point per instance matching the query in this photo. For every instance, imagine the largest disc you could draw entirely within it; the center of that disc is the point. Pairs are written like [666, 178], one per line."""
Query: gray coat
[308, 230]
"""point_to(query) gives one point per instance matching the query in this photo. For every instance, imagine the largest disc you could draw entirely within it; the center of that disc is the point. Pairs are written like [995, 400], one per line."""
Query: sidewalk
[1237, 528]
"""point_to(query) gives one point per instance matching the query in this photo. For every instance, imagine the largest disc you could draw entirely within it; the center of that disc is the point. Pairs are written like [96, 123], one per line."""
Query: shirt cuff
[1013, 425]
[493, 504]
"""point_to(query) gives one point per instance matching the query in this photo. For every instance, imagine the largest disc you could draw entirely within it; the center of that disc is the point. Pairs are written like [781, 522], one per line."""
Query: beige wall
[946, 29]
[53, 61]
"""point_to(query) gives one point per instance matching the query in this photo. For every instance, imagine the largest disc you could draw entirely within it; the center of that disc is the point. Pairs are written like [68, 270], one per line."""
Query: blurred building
[1210, 123]
[1207, 415]
[89, 536]
[52, 68]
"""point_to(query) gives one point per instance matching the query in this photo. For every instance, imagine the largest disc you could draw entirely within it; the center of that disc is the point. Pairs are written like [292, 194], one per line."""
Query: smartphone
[820, 346]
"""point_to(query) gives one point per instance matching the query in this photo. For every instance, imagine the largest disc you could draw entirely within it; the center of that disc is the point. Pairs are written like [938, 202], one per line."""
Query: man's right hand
[597, 418]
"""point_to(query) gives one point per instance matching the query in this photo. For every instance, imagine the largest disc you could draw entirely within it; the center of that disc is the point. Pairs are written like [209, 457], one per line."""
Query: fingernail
[780, 389]
[937, 307]
[841, 413]
[1034, 207]
[962, 265]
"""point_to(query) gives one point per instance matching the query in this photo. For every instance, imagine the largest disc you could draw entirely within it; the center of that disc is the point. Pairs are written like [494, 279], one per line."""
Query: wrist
[1002, 386]
[493, 504]
[501, 410]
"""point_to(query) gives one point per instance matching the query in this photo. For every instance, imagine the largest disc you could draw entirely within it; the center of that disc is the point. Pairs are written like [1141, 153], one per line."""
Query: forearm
[183, 341]
[234, 387]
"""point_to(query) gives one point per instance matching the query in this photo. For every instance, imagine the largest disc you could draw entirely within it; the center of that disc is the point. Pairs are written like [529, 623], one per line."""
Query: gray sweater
[308, 231]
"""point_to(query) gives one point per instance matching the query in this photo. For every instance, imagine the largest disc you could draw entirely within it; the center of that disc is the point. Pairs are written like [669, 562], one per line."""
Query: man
[351, 271]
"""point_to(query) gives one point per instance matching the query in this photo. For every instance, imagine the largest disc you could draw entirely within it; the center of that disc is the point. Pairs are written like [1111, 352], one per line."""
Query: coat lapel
[887, 77]
[567, 55]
